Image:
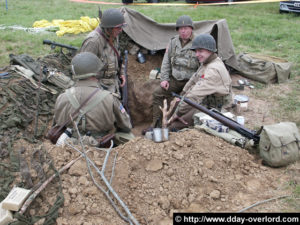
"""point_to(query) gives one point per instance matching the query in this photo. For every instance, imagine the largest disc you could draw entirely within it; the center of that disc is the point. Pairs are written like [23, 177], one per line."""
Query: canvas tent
[155, 36]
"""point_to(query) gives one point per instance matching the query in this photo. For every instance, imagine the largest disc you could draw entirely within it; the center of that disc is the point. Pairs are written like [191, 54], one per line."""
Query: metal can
[241, 102]
[240, 120]
[141, 57]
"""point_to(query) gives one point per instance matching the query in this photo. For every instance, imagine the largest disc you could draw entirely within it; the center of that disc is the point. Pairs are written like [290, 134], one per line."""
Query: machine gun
[53, 45]
[125, 87]
[224, 120]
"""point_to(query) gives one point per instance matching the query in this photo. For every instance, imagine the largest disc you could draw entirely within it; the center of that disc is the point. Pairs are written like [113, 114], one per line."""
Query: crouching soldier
[103, 113]
[210, 86]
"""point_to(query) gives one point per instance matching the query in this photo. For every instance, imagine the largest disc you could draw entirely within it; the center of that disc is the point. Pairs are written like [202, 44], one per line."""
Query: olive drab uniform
[179, 61]
[178, 66]
[98, 45]
[104, 115]
[209, 86]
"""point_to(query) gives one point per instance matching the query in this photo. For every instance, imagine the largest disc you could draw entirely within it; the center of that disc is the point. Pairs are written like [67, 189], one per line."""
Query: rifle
[125, 87]
[104, 142]
[53, 44]
[224, 120]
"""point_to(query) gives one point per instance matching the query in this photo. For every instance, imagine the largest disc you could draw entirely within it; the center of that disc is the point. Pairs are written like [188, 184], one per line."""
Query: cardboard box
[15, 199]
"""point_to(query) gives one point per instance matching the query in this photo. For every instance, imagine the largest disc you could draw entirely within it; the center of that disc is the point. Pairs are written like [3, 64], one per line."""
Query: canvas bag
[280, 144]
[263, 68]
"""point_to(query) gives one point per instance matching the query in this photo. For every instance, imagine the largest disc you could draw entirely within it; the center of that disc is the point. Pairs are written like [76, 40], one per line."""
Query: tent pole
[6, 4]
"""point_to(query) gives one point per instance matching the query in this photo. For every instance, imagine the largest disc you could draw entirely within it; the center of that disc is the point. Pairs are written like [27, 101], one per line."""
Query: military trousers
[188, 117]
[209, 102]
[160, 94]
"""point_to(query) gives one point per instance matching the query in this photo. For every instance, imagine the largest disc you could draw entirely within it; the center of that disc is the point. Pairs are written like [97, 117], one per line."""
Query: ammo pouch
[280, 144]
[60, 80]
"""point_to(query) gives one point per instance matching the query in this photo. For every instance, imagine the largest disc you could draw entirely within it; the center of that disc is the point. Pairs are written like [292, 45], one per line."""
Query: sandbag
[264, 69]
[280, 144]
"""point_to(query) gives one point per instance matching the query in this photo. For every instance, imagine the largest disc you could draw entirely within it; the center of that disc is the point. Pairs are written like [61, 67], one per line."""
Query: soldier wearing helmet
[103, 113]
[210, 86]
[179, 64]
[104, 43]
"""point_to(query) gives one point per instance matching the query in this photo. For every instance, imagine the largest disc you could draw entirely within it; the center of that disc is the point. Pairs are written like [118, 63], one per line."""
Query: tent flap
[156, 36]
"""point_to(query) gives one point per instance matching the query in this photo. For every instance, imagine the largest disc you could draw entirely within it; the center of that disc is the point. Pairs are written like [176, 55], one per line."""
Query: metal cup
[141, 57]
[240, 120]
[157, 135]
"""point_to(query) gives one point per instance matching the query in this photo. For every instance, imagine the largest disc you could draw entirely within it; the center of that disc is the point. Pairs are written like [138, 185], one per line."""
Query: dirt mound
[192, 172]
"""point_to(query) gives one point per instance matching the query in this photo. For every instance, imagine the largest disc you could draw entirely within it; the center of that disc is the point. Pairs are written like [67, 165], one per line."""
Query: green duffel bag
[280, 144]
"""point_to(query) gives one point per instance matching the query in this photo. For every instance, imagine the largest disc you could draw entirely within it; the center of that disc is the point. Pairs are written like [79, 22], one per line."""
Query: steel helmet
[204, 41]
[112, 18]
[184, 21]
[86, 64]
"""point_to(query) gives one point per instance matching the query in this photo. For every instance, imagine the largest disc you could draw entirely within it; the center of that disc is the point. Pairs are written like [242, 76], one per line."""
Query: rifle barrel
[52, 43]
[223, 119]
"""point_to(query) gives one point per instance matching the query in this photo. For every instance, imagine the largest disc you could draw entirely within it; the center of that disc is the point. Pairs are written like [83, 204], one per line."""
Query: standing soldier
[209, 86]
[179, 64]
[103, 113]
[104, 43]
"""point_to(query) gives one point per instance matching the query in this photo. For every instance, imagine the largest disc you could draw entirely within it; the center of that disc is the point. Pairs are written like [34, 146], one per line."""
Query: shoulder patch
[122, 109]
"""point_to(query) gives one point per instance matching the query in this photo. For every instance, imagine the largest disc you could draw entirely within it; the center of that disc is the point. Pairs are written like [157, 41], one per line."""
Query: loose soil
[191, 172]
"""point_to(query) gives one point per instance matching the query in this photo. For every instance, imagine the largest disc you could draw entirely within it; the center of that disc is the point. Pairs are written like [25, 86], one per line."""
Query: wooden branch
[43, 186]
[173, 103]
[165, 112]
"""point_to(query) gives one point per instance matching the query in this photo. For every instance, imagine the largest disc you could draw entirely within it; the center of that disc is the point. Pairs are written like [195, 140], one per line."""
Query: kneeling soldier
[103, 113]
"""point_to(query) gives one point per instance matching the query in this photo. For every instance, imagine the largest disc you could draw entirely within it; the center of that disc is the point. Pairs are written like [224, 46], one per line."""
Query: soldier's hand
[165, 84]
[122, 77]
